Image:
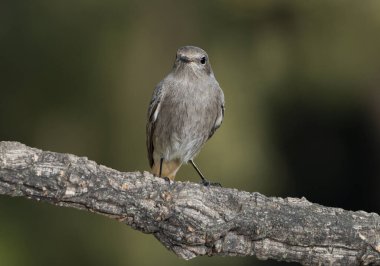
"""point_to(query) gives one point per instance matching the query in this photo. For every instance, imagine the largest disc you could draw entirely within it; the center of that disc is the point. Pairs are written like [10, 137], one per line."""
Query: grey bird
[186, 109]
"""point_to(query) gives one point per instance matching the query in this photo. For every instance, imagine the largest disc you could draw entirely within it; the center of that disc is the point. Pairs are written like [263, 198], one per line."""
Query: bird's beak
[184, 59]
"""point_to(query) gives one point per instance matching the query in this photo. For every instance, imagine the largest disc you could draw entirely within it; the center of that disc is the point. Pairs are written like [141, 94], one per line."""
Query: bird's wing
[219, 117]
[153, 110]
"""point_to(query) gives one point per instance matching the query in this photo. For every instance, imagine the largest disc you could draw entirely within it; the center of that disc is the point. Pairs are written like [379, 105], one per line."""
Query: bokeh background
[302, 88]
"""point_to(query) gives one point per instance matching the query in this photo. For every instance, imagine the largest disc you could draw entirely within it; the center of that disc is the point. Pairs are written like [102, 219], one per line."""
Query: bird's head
[192, 60]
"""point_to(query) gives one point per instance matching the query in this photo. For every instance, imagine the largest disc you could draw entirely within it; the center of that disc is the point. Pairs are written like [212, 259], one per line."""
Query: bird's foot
[167, 179]
[207, 183]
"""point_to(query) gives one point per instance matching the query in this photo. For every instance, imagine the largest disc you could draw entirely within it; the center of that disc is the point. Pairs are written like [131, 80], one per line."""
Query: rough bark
[193, 220]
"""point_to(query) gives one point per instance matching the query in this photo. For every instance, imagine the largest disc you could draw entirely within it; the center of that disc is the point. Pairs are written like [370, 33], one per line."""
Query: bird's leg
[160, 172]
[204, 181]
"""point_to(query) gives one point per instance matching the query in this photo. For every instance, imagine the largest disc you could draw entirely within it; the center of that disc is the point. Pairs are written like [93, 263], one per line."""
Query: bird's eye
[203, 60]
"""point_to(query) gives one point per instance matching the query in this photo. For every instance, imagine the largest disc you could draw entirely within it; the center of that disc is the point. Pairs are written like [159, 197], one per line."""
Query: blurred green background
[301, 81]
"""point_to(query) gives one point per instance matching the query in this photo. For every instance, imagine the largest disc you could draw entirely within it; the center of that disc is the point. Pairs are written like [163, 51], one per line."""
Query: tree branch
[190, 219]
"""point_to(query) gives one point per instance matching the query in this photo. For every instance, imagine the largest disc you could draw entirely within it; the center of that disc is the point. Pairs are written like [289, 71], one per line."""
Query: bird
[186, 109]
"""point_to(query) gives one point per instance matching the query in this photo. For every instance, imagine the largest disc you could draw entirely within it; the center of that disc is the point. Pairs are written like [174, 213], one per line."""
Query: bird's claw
[167, 179]
[207, 183]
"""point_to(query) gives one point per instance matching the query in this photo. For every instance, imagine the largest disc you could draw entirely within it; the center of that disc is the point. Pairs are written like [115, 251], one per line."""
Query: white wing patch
[219, 119]
[155, 114]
